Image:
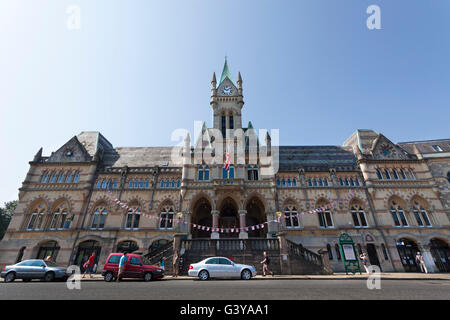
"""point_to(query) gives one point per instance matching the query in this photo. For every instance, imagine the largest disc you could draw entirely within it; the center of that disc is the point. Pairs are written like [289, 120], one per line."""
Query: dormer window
[437, 148]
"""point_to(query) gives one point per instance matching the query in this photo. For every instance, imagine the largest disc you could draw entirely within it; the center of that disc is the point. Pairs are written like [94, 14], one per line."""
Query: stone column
[215, 224]
[428, 258]
[242, 224]
[326, 262]
[188, 218]
[284, 254]
[272, 227]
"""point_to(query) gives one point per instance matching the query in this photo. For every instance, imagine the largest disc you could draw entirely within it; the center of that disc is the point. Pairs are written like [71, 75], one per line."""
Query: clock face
[227, 90]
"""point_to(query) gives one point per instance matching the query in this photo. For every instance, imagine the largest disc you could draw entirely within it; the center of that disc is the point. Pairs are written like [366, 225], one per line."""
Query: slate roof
[426, 146]
[140, 157]
[294, 157]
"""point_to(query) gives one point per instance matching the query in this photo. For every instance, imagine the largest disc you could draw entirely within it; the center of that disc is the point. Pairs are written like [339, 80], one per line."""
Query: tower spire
[225, 72]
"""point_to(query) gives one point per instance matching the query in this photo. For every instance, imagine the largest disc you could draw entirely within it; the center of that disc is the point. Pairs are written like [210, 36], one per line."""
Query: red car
[135, 267]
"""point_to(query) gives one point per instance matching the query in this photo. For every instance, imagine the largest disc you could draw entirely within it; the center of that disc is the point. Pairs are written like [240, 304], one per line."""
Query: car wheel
[49, 277]
[10, 277]
[26, 280]
[246, 274]
[148, 276]
[203, 275]
[109, 277]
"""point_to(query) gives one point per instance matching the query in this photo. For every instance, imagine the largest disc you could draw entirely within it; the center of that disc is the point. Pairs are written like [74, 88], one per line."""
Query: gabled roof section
[78, 152]
[376, 146]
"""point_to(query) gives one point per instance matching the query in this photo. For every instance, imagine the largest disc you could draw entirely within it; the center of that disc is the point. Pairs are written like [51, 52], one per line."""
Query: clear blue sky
[137, 70]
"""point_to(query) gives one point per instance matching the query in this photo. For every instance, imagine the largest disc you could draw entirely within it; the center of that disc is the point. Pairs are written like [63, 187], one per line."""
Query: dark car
[34, 269]
[135, 267]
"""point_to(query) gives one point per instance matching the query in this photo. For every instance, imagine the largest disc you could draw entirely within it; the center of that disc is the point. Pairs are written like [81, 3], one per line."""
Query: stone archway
[201, 215]
[255, 215]
[440, 252]
[407, 250]
[228, 216]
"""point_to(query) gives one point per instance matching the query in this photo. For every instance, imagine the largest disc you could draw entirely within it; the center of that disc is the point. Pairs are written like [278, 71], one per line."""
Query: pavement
[335, 276]
[222, 291]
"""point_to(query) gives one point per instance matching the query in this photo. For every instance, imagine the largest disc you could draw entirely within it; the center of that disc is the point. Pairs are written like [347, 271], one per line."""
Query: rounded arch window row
[40, 219]
[287, 182]
[395, 174]
[349, 181]
[106, 184]
[59, 176]
[170, 183]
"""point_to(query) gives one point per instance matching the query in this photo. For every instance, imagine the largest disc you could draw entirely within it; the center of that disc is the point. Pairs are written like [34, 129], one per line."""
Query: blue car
[34, 269]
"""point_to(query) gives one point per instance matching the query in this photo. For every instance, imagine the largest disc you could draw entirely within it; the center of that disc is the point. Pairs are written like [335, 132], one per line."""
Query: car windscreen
[51, 264]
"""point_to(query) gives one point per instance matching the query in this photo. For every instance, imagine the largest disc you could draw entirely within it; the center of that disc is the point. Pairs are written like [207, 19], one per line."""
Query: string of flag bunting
[227, 230]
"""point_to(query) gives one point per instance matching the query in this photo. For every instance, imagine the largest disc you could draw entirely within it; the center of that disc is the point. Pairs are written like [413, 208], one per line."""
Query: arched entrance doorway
[255, 216]
[228, 218]
[48, 249]
[201, 216]
[407, 250]
[85, 250]
[441, 254]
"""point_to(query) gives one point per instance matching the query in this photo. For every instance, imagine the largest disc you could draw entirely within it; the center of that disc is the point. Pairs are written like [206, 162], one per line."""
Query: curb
[299, 277]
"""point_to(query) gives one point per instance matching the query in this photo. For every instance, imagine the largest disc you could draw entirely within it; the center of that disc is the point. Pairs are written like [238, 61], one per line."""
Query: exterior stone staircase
[286, 256]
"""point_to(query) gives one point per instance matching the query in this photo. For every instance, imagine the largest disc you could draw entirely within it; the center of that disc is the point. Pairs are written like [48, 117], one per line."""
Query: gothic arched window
[133, 217]
[252, 173]
[61, 177]
[379, 175]
[291, 217]
[53, 178]
[36, 218]
[325, 220]
[359, 216]
[402, 174]
[421, 215]
[228, 174]
[398, 214]
[99, 218]
[69, 177]
[44, 177]
[59, 218]
[166, 218]
[77, 177]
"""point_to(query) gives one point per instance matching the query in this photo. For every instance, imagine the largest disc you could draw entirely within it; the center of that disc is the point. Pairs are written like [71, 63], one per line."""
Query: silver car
[34, 269]
[220, 267]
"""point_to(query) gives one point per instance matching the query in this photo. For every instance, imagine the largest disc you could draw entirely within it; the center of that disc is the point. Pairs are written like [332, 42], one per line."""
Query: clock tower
[226, 101]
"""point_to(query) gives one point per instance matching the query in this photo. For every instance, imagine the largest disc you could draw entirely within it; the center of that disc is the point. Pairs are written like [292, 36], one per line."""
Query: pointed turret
[38, 156]
[239, 83]
[213, 85]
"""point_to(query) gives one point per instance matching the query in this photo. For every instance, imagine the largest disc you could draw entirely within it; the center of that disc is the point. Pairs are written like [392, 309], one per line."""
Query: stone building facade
[400, 201]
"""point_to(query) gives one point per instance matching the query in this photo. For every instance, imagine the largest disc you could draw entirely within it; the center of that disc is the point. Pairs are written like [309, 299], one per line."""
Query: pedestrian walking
[175, 263]
[122, 263]
[161, 263]
[421, 262]
[365, 261]
[89, 265]
[265, 263]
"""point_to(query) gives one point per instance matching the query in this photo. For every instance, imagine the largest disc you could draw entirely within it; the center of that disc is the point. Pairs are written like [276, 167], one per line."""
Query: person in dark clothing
[265, 264]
